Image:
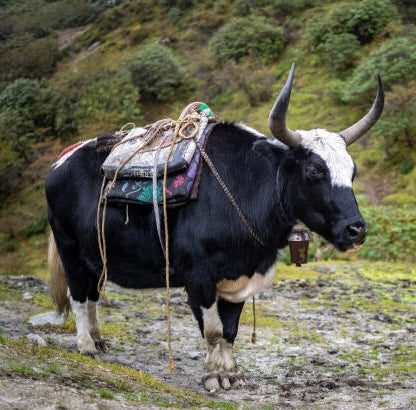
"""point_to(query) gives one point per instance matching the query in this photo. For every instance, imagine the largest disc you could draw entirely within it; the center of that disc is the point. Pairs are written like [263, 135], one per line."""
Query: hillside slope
[69, 72]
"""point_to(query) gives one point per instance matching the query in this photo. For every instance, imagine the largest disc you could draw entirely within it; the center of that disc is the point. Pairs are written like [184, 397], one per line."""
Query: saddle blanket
[181, 186]
[135, 155]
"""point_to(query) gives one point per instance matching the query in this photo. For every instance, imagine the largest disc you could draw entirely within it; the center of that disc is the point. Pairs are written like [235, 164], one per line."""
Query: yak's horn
[277, 117]
[357, 130]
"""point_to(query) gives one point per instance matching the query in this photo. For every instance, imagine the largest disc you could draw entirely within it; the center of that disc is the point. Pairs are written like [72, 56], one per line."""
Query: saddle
[135, 166]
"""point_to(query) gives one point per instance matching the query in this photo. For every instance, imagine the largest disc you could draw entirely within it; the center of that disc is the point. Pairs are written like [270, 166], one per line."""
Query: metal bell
[298, 245]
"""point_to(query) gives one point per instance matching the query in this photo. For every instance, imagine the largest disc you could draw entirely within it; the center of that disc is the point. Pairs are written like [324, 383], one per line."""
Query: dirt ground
[331, 335]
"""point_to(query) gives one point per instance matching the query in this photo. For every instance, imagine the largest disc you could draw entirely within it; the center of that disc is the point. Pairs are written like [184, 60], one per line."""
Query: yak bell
[298, 245]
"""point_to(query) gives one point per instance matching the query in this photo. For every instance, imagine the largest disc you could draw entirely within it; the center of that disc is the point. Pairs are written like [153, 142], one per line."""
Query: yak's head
[322, 172]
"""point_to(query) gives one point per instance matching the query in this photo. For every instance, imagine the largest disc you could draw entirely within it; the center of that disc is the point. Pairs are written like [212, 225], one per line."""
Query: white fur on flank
[68, 155]
[239, 290]
[332, 149]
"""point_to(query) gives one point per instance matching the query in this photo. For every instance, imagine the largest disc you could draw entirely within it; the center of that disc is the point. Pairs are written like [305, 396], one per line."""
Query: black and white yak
[301, 175]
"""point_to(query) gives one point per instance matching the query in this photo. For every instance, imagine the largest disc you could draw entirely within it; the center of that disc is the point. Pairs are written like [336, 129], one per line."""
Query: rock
[27, 296]
[51, 318]
[36, 339]
[194, 355]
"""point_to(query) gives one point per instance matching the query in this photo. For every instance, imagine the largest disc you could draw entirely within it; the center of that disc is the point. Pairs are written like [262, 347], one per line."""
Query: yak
[299, 175]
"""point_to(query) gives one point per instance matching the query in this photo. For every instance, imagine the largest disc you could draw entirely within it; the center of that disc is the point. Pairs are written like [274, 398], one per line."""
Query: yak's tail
[59, 286]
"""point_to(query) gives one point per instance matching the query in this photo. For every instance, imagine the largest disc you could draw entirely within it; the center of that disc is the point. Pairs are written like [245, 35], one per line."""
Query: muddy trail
[331, 335]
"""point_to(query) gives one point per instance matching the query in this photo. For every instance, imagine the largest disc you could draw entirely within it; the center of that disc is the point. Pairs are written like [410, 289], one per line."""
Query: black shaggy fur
[273, 186]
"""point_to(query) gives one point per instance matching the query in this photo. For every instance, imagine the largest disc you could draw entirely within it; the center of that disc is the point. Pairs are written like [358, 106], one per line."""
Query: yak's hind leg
[93, 325]
[83, 294]
[219, 326]
[85, 343]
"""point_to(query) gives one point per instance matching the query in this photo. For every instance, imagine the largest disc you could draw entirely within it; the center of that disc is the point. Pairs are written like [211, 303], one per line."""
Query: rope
[188, 118]
[181, 126]
[229, 195]
[254, 334]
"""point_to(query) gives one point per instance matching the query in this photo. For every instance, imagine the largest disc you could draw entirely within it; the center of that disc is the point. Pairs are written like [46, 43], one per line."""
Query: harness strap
[229, 195]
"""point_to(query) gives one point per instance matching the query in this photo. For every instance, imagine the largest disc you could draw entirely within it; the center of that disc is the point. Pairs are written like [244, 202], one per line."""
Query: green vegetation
[107, 380]
[247, 36]
[155, 71]
[391, 233]
[394, 59]
[73, 69]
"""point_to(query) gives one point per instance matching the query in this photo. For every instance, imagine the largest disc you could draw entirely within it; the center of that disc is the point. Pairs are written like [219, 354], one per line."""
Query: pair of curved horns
[277, 117]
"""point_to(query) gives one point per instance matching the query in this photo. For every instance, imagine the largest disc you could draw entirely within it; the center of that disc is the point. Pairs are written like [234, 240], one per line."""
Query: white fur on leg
[84, 340]
[212, 323]
[93, 326]
[219, 363]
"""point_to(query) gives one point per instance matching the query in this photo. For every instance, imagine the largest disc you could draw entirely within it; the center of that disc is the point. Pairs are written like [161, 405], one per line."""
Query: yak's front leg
[220, 326]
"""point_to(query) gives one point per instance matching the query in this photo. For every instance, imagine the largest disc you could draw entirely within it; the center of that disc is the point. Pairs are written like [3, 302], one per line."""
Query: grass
[108, 379]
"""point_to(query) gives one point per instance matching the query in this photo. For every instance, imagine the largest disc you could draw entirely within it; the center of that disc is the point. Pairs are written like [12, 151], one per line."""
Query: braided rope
[229, 195]
[185, 121]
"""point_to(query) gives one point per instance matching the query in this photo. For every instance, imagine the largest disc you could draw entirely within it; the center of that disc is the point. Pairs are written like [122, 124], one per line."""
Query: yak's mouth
[354, 247]
[349, 247]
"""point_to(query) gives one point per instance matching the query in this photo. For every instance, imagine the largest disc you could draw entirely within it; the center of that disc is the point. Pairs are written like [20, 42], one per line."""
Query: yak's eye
[314, 172]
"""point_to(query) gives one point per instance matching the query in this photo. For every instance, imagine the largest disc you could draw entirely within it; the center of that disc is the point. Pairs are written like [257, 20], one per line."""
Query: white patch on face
[239, 290]
[332, 149]
[69, 154]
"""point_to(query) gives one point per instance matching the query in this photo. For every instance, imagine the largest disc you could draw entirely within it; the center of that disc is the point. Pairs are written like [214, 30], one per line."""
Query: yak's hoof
[220, 380]
[89, 352]
[101, 345]
[87, 348]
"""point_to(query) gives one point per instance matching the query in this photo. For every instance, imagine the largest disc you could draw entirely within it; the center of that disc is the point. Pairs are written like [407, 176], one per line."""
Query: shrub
[365, 20]
[276, 8]
[243, 36]
[340, 51]
[36, 59]
[395, 60]
[255, 82]
[111, 94]
[174, 14]
[391, 233]
[27, 113]
[155, 71]
[397, 126]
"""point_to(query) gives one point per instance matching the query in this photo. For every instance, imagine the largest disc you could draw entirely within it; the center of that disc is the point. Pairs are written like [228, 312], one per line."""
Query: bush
[275, 8]
[340, 51]
[369, 18]
[155, 71]
[110, 94]
[397, 126]
[255, 82]
[27, 114]
[243, 36]
[36, 59]
[395, 60]
[364, 21]
[391, 233]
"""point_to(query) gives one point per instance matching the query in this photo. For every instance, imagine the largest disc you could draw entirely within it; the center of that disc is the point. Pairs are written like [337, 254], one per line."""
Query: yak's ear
[268, 150]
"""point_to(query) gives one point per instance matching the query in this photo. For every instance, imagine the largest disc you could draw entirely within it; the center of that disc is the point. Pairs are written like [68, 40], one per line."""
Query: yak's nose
[357, 232]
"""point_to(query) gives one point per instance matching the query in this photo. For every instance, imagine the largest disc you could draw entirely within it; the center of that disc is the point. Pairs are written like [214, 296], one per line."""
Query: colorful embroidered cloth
[135, 155]
[181, 186]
